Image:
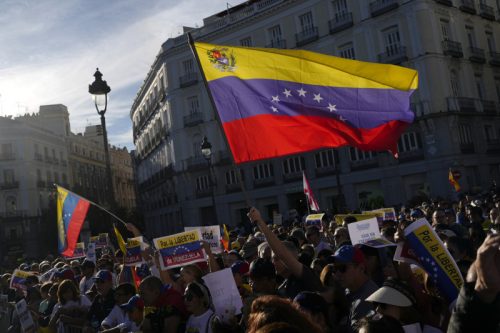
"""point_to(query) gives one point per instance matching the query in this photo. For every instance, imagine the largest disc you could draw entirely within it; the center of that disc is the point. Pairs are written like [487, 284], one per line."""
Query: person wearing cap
[134, 314]
[297, 277]
[240, 271]
[199, 303]
[86, 282]
[123, 293]
[315, 305]
[350, 271]
[104, 301]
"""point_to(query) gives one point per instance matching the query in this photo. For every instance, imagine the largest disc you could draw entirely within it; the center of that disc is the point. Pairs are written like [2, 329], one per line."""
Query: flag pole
[210, 96]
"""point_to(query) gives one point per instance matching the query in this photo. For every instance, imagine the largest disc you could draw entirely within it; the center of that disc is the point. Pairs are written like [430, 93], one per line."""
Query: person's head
[281, 269]
[53, 292]
[249, 250]
[299, 235]
[309, 249]
[150, 289]
[450, 216]
[33, 296]
[475, 214]
[317, 265]
[67, 291]
[197, 298]
[457, 247]
[439, 217]
[240, 270]
[315, 305]
[88, 268]
[30, 281]
[494, 213]
[44, 289]
[392, 298]
[348, 220]
[35, 267]
[103, 281]
[134, 308]
[312, 235]
[231, 257]
[124, 292]
[341, 235]
[190, 273]
[350, 267]
[379, 324]
[264, 250]
[262, 276]
[64, 274]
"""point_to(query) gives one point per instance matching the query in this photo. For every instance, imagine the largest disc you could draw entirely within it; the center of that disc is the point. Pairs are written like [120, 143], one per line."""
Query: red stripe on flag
[268, 136]
[75, 225]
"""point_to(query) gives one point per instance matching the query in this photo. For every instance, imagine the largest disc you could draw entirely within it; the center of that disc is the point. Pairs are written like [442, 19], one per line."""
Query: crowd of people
[291, 278]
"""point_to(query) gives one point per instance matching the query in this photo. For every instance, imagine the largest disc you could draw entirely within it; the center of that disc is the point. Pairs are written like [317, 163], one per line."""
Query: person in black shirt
[104, 301]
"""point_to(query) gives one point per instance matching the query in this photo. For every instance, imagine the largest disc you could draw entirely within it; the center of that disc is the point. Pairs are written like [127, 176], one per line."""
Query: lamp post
[206, 151]
[99, 90]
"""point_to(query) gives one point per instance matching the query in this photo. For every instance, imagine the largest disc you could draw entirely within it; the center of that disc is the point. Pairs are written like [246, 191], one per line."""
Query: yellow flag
[121, 242]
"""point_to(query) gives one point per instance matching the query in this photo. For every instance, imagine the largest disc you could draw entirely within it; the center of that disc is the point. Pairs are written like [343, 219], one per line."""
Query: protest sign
[367, 233]
[277, 219]
[388, 213]
[25, 318]
[134, 248]
[211, 235]
[434, 258]
[79, 251]
[91, 253]
[180, 249]
[225, 295]
[339, 219]
[18, 279]
[100, 241]
[315, 220]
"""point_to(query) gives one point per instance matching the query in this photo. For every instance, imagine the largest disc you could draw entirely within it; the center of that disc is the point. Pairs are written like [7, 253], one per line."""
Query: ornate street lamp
[99, 90]
[206, 151]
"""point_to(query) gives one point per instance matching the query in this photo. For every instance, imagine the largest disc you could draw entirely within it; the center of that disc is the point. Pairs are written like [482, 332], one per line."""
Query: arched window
[455, 83]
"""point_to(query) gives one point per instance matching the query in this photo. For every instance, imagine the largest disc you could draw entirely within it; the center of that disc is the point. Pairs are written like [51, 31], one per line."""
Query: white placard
[225, 294]
[91, 253]
[211, 235]
[278, 219]
[27, 323]
[363, 231]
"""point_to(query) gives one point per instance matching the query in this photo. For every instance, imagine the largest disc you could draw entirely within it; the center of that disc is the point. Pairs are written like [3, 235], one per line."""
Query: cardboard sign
[388, 213]
[211, 235]
[180, 249]
[18, 279]
[25, 318]
[134, 248]
[278, 219]
[225, 295]
[79, 251]
[91, 253]
[367, 233]
[315, 220]
[339, 219]
[100, 241]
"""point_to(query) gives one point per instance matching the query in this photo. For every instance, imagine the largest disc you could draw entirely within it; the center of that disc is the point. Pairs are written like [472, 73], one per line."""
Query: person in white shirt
[88, 268]
[198, 302]
[71, 307]
[118, 316]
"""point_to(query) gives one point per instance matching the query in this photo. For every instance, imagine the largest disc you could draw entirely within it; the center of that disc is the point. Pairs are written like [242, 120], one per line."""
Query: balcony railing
[452, 48]
[467, 6]
[9, 185]
[196, 162]
[467, 148]
[188, 79]
[477, 55]
[467, 104]
[325, 171]
[489, 107]
[193, 119]
[261, 182]
[364, 164]
[448, 3]
[340, 22]
[38, 157]
[494, 59]
[7, 156]
[230, 188]
[204, 192]
[394, 55]
[277, 44]
[411, 155]
[292, 176]
[486, 12]
[380, 7]
[306, 36]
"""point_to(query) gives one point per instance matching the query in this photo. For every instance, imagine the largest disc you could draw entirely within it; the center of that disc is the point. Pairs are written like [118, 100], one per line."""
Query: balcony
[394, 55]
[204, 192]
[325, 171]
[364, 164]
[292, 176]
[196, 163]
[41, 184]
[452, 48]
[477, 55]
[462, 104]
[38, 157]
[188, 79]
[486, 12]
[231, 188]
[306, 36]
[495, 59]
[467, 6]
[448, 3]
[263, 182]
[380, 7]
[193, 119]
[277, 44]
[489, 107]
[467, 148]
[9, 185]
[340, 22]
[7, 156]
[493, 146]
[411, 156]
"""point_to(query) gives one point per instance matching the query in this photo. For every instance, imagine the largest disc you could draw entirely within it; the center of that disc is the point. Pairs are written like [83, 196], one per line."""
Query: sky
[50, 49]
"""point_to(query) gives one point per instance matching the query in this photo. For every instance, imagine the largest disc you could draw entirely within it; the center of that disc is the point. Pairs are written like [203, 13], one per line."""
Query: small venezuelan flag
[274, 102]
[453, 181]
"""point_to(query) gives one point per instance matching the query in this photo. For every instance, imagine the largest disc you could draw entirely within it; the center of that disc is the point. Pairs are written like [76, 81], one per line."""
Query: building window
[356, 155]
[497, 87]
[38, 175]
[232, 177]
[263, 171]
[246, 41]
[49, 176]
[188, 66]
[479, 86]
[339, 9]
[275, 35]
[392, 41]
[491, 41]
[347, 51]
[56, 178]
[455, 85]
[8, 176]
[325, 159]
[306, 22]
[445, 29]
[471, 38]
[193, 105]
[293, 165]
[409, 142]
[490, 134]
[465, 134]
[202, 183]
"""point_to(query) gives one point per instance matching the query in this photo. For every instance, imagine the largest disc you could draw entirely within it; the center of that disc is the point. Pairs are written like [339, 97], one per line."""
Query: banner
[315, 220]
[225, 295]
[434, 258]
[18, 279]
[79, 251]
[367, 233]
[180, 249]
[211, 235]
[25, 318]
[134, 248]
[100, 241]
[339, 219]
[91, 253]
[388, 213]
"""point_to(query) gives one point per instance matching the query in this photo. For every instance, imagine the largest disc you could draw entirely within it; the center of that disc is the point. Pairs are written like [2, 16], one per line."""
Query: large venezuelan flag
[278, 102]
[71, 212]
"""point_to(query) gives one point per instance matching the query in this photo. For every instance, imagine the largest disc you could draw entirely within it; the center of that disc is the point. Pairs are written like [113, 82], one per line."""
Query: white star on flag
[276, 98]
[317, 98]
[332, 107]
[287, 93]
[302, 92]
[274, 109]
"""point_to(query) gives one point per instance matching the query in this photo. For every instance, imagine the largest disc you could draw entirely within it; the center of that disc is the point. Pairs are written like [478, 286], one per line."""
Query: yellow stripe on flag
[121, 242]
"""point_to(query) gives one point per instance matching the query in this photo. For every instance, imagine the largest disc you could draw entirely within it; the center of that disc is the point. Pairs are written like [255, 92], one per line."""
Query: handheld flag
[121, 242]
[71, 212]
[453, 181]
[311, 201]
[275, 102]
[225, 239]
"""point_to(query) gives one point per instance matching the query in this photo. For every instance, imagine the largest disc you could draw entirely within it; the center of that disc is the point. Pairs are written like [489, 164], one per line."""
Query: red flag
[453, 181]
[311, 201]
